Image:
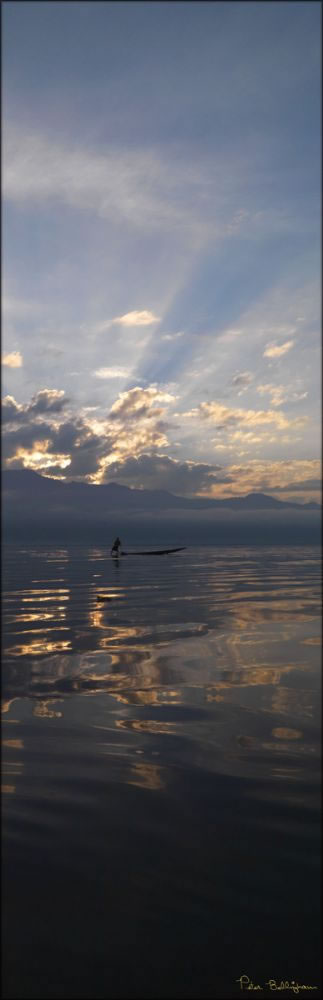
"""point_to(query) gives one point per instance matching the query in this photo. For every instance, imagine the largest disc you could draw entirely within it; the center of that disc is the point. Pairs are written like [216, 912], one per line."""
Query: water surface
[161, 781]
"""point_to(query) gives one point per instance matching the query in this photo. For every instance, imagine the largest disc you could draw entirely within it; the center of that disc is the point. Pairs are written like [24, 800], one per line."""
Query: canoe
[156, 552]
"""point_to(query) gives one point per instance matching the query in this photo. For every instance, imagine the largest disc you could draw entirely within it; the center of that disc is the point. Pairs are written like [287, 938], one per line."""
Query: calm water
[161, 781]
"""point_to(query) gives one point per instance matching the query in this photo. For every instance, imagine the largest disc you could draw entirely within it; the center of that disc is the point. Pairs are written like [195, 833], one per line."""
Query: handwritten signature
[272, 984]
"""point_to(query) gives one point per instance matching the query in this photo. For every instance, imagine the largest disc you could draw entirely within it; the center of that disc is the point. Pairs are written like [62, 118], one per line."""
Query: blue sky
[161, 244]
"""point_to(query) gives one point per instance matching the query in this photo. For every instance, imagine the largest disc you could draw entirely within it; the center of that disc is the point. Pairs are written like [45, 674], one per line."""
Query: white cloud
[277, 351]
[13, 360]
[111, 373]
[229, 335]
[172, 336]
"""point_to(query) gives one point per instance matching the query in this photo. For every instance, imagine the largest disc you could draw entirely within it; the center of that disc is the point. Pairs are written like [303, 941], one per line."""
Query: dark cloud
[241, 381]
[163, 473]
[24, 437]
[47, 401]
[44, 401]
[307, 485]
[73, 439]
[10, 410]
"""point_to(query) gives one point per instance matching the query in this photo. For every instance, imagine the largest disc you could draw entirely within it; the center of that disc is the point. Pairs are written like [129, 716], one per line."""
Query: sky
[161, 302]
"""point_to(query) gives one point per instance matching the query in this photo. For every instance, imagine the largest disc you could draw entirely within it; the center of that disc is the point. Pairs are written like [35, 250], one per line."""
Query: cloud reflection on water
[249, 655]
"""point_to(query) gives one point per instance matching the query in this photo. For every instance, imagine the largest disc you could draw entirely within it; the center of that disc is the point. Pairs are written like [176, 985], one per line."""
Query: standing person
[116, 546]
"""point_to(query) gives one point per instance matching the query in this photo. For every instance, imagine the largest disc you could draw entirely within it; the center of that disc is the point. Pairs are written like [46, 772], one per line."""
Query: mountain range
[50, 507]
[113, 496]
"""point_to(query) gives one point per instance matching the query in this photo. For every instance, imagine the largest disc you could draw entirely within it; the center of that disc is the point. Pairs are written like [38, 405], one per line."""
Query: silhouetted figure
[116, 546]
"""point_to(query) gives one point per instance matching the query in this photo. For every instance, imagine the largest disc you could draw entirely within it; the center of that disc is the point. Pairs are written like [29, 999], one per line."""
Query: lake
[161, 772]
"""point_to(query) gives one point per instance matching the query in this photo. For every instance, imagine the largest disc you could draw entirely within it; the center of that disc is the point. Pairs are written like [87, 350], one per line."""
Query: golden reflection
[288, 701]
[214, 697]
[39, 647]
[44, 590]
[43, 711]
[6, 705]
[252, 676]
[11, 768]
[147, 776]
[96, 619]
[146, 725]
[14, 744]
[287, 734]
[120, 634]
[245, 614]
[151, 696]
[111, 594]
[44, 616]
[315, 641]
[44, 600]
[41, 631]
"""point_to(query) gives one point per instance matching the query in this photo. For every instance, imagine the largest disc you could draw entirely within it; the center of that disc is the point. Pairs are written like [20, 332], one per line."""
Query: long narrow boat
[156, 552]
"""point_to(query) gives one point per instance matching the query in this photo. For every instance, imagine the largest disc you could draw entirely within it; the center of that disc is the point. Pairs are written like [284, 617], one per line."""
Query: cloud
[129, 320]
[135, 318]
[42, 458]
[227, 419]
[111, 373]
[37, 444]
[172, 336]
[160, 472]
[45, 401]
[13, 360]
[241, 381]
[138, 402]
[303, 486]
[48, 401]
[39, 431]
[271, 478]
[276, 350]
[10, 409]
[128, 445]
[281, 394]
[229, 336]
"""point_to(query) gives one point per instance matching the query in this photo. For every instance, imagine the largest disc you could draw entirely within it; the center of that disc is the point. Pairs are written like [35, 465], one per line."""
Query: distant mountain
[39, 509]
[113, 496]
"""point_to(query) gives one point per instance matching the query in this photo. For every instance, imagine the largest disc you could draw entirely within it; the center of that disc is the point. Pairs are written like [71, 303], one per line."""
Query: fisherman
[116, 546]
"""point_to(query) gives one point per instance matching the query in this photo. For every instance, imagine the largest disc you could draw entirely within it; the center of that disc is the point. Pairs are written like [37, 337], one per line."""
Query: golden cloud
[268, 477]
[135, 318]
[37, 440]
[39, 458]
[138, 400]
[13, 360]
[280, 393]
[226, 417]
[276, 350]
